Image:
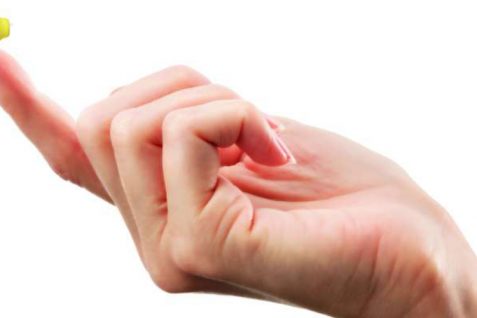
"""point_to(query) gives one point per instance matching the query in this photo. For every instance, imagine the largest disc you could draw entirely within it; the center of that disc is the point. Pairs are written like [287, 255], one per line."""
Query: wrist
[467, 293]
[462, 276]
[456, 295]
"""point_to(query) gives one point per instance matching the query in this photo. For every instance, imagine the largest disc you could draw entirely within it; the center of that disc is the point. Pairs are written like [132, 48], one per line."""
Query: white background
[398, 76]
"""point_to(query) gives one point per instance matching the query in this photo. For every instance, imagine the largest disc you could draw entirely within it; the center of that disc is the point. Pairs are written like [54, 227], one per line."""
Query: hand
[214, 201]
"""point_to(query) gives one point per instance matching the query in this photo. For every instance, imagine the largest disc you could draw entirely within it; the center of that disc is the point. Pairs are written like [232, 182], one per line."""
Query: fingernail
[274, 124]
[286, 151]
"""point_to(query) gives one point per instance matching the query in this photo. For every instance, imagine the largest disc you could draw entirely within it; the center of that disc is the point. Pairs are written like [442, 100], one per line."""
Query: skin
[221, 198]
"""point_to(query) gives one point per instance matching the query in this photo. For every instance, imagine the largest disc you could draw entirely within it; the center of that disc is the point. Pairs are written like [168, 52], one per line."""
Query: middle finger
[94, 127]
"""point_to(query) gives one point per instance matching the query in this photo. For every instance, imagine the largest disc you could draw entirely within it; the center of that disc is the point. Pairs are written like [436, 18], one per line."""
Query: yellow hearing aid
[4, 28]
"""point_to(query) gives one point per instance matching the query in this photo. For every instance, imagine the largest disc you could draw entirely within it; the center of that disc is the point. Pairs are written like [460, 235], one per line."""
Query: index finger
[47, 126]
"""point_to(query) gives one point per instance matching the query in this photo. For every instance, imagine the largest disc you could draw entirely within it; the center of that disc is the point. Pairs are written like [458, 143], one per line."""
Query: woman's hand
[219, 197]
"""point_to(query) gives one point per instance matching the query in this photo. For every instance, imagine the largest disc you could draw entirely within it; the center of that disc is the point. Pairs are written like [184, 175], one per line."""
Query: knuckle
[61, 169]
[83, 124]
[61, 163]
[122, 128]
[191, 256]
[187, 75]
[186, 255]
[166, 284]
[162, 273]
[222, 91]
[248, 106]
[176, 123]
[245, 108]
[90, 124]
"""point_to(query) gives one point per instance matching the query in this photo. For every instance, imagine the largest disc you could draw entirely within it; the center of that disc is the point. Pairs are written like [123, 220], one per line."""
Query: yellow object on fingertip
[4, 28]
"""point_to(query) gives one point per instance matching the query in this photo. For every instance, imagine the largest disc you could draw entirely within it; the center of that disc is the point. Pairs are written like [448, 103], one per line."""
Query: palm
[330, 169]
[347, 201]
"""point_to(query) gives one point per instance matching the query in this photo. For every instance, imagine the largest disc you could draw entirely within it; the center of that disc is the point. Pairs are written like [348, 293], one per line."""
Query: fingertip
[286, 152]
[15, 84]
[261, 141]
[17, 93]
[8, 66]
[230, 156]
[271, 151]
